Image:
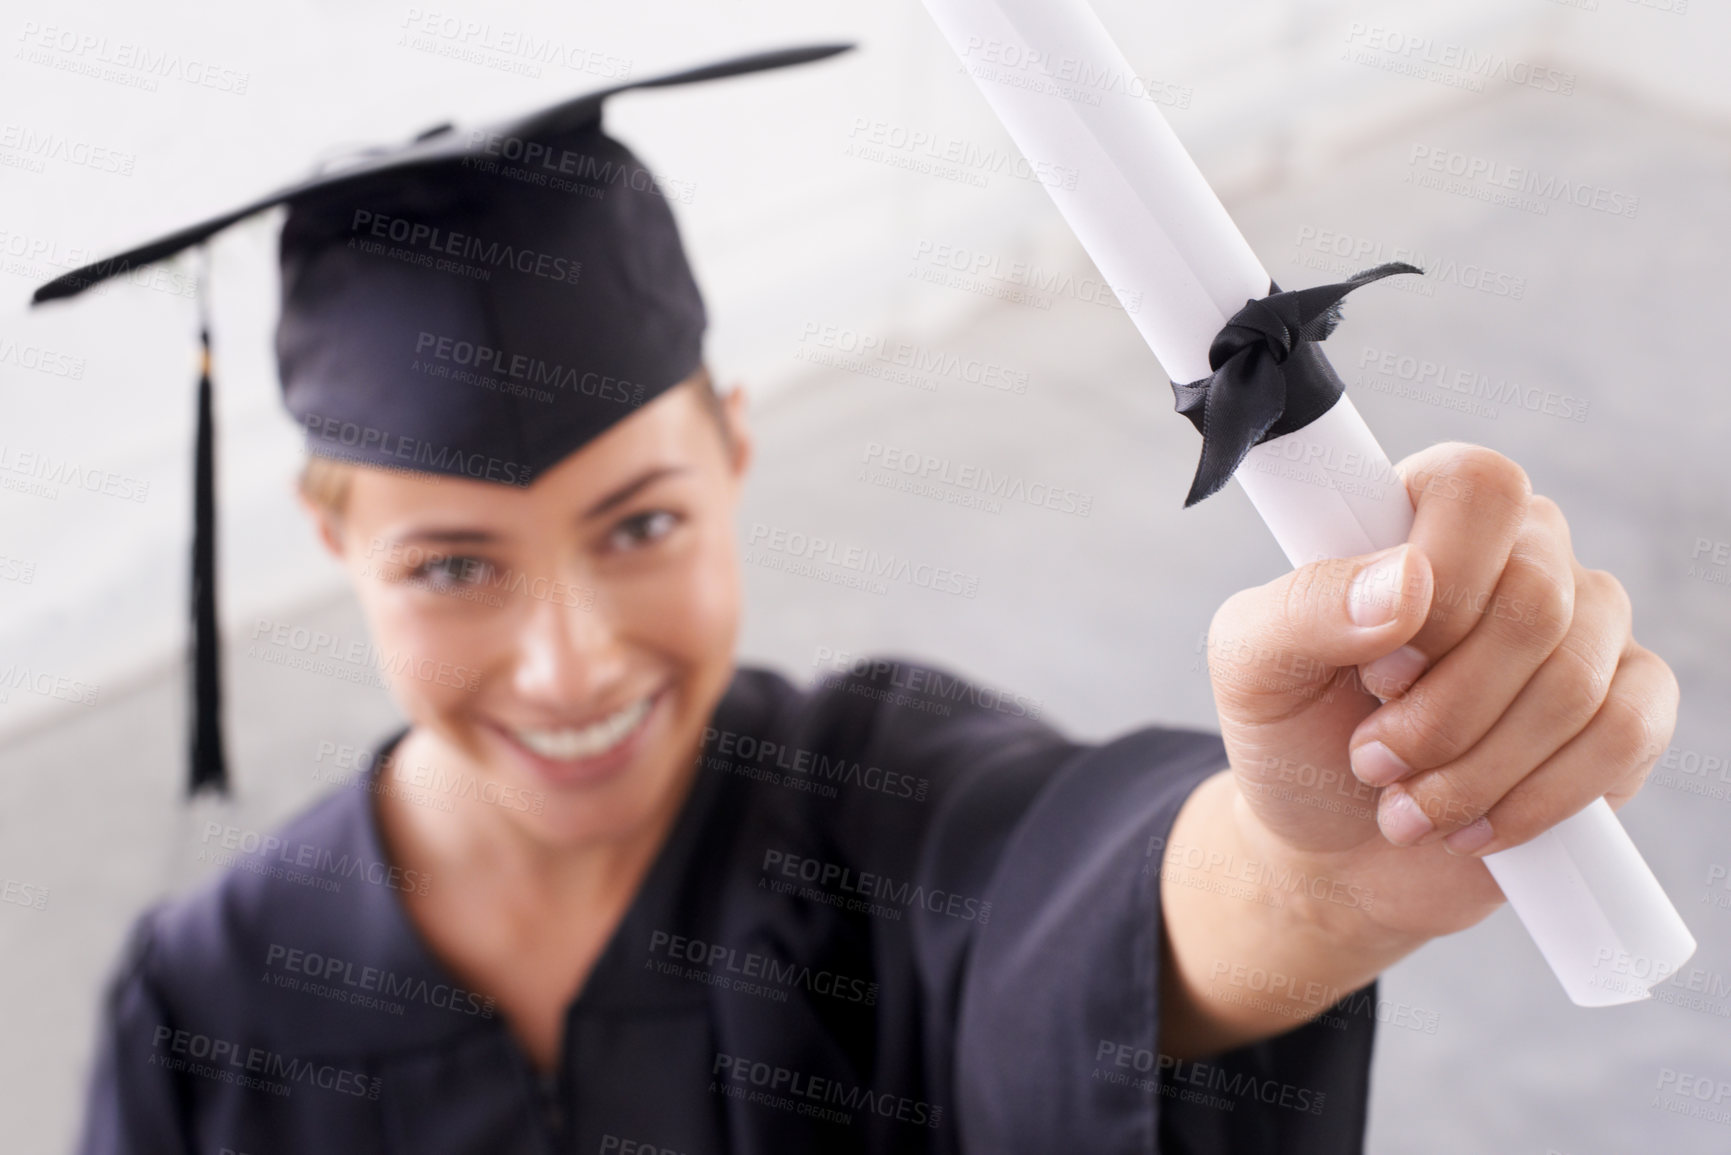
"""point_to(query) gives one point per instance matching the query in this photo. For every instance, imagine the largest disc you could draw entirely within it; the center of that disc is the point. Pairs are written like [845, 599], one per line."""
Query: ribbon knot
[1269, 377]
[1258, 320]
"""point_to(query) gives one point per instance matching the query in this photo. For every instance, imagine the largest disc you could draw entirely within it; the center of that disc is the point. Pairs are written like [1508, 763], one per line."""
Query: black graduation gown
[888, 919]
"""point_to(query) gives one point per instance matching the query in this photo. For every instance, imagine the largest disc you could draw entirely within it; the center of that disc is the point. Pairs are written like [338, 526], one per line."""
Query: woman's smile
[584, 755]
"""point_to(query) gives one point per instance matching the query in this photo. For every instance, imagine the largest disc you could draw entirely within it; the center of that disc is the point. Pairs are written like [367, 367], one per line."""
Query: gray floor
[1101, 617]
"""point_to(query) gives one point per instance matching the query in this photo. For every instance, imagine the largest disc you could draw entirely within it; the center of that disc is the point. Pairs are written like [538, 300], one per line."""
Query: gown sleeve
[1058, 1014]
[131, 1107]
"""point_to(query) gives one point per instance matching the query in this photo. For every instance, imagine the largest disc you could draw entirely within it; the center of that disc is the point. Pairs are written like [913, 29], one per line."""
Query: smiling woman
[658, 898]
[605, 639]
[607, 890]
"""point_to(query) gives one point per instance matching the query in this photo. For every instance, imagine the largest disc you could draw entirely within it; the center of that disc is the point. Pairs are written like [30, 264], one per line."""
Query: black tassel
[209, 768]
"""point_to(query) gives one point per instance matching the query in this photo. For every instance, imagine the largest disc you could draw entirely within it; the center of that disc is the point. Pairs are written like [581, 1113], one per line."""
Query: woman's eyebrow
[448, 537]
[625, 492]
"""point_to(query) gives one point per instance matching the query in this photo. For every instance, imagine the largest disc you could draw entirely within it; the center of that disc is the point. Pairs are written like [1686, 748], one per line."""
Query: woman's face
[563, 643]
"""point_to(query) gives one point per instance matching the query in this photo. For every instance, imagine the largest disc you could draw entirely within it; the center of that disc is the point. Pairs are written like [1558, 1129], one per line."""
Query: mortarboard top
[439, 147]
[476, 302]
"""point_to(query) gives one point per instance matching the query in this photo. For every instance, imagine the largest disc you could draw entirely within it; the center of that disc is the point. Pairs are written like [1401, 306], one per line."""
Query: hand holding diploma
[1485, 683]
[1515, 691]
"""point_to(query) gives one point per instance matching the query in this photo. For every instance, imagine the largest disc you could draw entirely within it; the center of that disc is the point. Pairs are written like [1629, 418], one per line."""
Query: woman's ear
[739, 431]
[327, 524]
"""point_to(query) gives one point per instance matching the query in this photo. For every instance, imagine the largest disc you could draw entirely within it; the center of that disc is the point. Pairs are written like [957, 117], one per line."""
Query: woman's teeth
[567, 745]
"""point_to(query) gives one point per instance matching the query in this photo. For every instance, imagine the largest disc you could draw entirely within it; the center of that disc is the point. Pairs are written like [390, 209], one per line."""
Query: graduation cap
[477, 303]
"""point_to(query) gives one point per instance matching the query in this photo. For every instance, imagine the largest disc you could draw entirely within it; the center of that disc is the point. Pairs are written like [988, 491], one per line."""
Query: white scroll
[1164, 242]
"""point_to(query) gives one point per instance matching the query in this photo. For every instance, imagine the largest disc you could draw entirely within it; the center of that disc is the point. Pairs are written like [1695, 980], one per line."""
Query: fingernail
[1469, 838]
[1376, 765]
[1392, 674]
[1403, 823]
[1371, 599]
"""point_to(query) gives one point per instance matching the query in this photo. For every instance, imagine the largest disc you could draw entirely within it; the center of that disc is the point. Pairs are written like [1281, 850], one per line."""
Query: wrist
[1325, 898]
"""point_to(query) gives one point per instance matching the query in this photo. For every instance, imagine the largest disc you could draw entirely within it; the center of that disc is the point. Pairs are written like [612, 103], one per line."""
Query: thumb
[1297, 630]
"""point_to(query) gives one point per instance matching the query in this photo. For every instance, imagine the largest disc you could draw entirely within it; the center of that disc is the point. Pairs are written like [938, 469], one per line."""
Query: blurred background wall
[813, 201]
[795, 207]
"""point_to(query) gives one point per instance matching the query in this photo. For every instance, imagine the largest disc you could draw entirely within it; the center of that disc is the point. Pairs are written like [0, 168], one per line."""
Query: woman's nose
[567, 655]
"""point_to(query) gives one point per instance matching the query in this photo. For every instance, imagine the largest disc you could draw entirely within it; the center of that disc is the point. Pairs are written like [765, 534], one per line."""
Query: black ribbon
[1269, 377]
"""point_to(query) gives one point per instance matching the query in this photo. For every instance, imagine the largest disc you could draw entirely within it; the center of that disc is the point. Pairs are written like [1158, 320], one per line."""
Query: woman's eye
[445, 574]
[643, 528]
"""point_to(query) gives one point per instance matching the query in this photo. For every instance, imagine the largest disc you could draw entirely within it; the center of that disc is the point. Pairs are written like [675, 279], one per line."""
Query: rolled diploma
[1164, 242]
